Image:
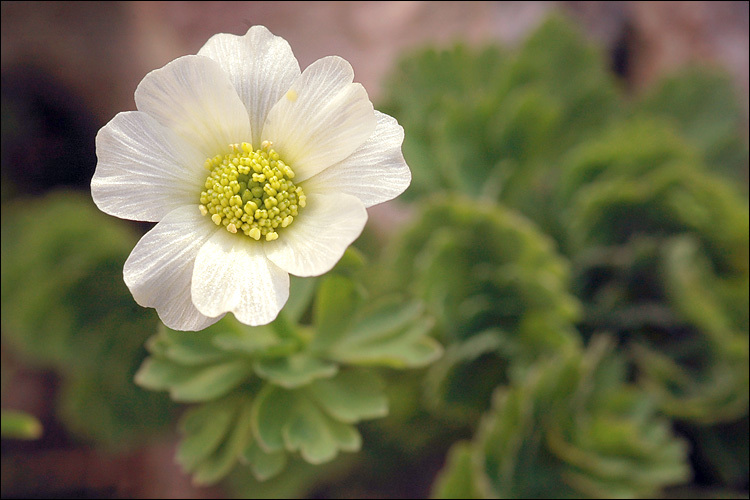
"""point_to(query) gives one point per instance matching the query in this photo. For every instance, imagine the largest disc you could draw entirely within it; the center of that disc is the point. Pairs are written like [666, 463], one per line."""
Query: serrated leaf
[221, 462]
[703, 105]
[347, 436]
[385, 318]
[307, 433]
[335, 306]
[270, 413]
[210, 382]
[351, 396]
[248, 340]
[263, 465]
[554, 433]
[295, 370]
[317, 437]
[158, 374]
[205, 428]
[408, 348]
[190, 348]
[457, 480]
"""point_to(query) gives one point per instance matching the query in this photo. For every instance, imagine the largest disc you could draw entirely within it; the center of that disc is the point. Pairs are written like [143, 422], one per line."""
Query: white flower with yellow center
[252, 169]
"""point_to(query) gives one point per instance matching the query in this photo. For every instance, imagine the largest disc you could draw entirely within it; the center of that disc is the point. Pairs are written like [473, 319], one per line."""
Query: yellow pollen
[251, 191]
[291, 95]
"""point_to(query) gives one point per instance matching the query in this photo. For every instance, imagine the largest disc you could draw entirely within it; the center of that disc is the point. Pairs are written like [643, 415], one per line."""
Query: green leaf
[248, 340]
[335, 305]
[392, 335]
[703, 105]
[452, 385]
[19, 425]
[271, 411]
[689, 284]
[385, 318]
[351, 396]
[457, 479]
[211, 382]
[205, 427]
[160, 374]
[264, 465]
[570, 428]
[221, 462]
[301, 291]
[190, 348]
[295, 370]
[412, 348]
[316, 436]
[291, 420]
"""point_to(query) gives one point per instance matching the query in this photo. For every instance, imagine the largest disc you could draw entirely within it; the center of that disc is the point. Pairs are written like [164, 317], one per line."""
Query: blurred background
[69, 67]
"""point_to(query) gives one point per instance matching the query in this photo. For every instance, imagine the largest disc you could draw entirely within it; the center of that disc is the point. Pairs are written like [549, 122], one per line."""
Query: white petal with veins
[196, 99]
[260, 65]
[375, 172]
[233, 274]
[160, 268]
[319, 235]
[322, 119]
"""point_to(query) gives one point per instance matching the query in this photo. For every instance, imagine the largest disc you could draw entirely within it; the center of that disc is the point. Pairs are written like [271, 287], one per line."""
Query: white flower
[198, 157]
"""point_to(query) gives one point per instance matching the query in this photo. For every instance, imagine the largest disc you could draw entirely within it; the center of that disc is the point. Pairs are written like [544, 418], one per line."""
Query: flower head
[252, 169]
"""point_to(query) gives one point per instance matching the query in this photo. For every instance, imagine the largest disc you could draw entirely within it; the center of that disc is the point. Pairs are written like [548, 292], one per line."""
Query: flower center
[251, 191]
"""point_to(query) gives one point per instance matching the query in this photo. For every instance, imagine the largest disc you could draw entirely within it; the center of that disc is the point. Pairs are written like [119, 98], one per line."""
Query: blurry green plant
[291, 387]
[66, 308]
[494, 124]
[573, 428]
[702, 105]
[19, 425]
[661, 248]
[497, 288]
[640, 195]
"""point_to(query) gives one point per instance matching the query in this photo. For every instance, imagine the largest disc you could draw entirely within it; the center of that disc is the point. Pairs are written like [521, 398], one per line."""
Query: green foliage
[572, 428]
[641, 196]
[661, 250]
[497, 288]
[19, 425]
[702, 105]
[268, 394]
[65, 307]
[495, 124]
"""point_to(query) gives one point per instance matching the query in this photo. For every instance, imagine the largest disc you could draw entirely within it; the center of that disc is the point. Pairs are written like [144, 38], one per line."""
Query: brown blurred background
[79, 63]
[101, 50]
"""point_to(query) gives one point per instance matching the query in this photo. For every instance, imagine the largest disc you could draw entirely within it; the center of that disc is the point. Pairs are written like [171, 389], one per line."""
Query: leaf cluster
[565, 210]
[291, 388]
[66, 308]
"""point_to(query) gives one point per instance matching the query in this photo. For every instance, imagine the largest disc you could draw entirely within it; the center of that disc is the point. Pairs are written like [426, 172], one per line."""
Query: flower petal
[233, 274]
[375, 172]
[319, 235]
[322, 119]
[144, 170]
[195, 98]
[160, 268]
[261, 66]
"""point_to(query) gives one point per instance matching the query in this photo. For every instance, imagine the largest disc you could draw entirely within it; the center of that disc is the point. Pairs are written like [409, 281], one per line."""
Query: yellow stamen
[251, 191]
